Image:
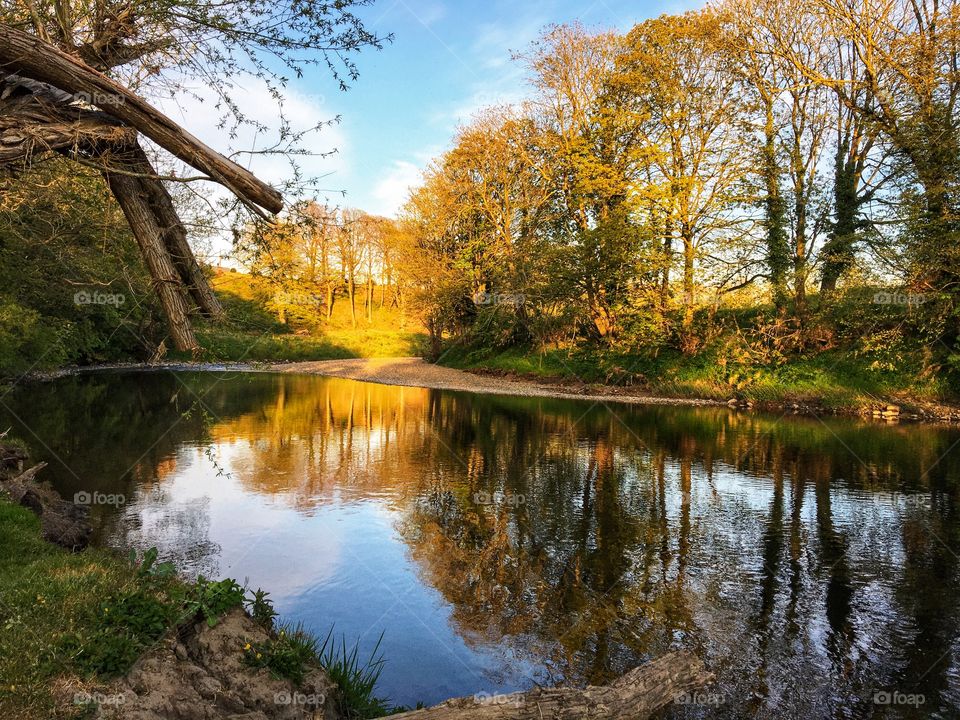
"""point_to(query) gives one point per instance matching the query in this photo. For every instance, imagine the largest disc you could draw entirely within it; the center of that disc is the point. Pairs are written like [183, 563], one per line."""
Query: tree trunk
[169, 288]
[331, 296]
[667, 261]
[352, 292]
[370, 298]
[35, 118]
[778, 252]
[175, 237]
[29, 56]
[634, 696]
[689, 253]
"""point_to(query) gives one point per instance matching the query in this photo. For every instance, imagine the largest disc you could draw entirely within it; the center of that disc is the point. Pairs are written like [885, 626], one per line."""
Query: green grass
[356, 679]
[838, 380]
[226, 344]
[51, 605]
[69, 621]
[293, 651]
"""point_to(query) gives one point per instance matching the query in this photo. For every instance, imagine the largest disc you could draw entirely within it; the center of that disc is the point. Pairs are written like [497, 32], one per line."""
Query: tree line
[318, 255]
[781, 155]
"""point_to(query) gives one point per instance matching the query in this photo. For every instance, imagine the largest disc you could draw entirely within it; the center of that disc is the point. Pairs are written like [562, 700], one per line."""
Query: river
[498, 542]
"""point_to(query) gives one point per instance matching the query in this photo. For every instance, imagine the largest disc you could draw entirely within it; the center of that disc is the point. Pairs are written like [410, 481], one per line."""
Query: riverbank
[417, 372]
[802, 391]
[90, 634]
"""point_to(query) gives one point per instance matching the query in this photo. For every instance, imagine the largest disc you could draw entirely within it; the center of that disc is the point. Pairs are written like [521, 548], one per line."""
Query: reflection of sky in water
[339, 565]
[809, 562]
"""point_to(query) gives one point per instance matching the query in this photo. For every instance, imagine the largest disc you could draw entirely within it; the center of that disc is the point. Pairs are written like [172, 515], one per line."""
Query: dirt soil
[201, 675]
[413, 371]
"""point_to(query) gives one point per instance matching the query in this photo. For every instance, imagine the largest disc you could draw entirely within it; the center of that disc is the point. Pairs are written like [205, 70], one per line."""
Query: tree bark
[169, 288]
[175, 236]
[29, 56]
[634, 696]
[36, 118]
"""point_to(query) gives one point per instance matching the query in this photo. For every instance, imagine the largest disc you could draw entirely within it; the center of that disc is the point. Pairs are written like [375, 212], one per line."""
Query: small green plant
[261, 609]
[212, 599]
[288, 655]
[356, 680]
[149, 569]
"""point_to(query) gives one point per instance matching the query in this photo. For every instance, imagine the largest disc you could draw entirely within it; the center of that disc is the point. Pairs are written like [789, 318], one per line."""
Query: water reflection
[504, 541]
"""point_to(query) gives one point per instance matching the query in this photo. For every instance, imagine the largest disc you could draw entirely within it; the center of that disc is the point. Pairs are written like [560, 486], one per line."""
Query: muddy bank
[199, 673]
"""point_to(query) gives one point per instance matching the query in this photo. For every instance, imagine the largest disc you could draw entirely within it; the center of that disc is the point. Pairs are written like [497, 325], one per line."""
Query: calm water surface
[500, 542]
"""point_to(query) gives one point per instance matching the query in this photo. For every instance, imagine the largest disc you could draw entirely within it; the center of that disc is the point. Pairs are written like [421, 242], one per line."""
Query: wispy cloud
[392, 190]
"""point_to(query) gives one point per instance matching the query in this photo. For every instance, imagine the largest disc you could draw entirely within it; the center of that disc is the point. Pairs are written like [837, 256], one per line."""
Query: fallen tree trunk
[635, 695]
[35, 117]
[174, 235]
[28, 55]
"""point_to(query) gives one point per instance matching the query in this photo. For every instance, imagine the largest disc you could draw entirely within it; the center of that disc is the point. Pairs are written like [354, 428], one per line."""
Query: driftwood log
[53, 101]
[634, 696]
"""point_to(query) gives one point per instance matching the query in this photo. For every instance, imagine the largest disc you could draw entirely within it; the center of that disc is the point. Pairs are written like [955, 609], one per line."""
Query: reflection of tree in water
[179, 530]
[616, 555]
[767, 546]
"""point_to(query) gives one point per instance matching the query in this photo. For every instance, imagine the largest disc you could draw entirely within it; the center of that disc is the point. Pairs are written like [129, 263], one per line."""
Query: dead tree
[52, 101]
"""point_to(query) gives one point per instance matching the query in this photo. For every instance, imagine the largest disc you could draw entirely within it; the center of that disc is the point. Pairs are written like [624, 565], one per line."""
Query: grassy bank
[254, 332]
[49, 599]
[73, 621]
[224, 343]
[836, 380]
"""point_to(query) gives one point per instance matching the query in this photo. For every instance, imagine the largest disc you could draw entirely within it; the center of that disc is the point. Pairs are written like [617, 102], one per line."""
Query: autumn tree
[680, 95]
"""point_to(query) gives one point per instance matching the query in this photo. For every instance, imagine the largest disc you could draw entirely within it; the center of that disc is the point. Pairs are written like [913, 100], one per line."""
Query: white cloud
[393, 189]
[200, 117]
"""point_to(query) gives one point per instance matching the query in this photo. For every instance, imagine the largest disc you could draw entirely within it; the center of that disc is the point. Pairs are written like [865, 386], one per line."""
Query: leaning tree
[74, 74]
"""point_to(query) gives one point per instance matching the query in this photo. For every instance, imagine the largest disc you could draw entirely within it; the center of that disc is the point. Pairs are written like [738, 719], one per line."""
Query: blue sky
[448, 59]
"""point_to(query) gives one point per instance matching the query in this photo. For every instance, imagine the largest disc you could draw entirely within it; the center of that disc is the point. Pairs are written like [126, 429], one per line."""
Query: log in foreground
[635, 695]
